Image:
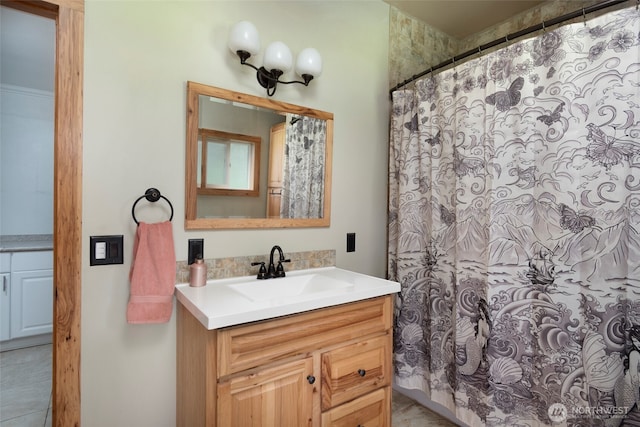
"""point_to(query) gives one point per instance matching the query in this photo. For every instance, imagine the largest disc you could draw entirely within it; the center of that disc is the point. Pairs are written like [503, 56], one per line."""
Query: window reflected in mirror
[231, 166]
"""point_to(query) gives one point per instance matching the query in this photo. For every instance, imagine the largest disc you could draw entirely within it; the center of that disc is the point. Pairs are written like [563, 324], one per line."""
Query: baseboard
[26, 342]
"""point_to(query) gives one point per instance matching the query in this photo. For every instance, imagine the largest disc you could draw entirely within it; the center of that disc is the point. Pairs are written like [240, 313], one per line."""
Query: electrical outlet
[105, 250]
[351, 242]
[196, 249]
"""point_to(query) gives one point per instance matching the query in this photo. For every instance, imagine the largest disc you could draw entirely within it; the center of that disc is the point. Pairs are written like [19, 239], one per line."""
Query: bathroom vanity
[329, 365]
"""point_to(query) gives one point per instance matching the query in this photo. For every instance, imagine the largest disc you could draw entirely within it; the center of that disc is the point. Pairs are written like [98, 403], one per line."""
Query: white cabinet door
[5, 306]
[31, 303]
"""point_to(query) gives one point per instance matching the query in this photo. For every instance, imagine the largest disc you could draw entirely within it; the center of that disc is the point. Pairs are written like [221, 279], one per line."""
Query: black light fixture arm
[269, 79]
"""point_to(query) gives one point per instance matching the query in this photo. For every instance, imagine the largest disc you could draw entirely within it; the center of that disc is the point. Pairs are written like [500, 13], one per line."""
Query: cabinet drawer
[371, 410]
[249, 346]
[28, 261]
[354, 370]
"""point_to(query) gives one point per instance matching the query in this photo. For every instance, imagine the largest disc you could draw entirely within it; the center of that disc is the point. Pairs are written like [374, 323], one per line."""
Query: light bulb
[309, 62]
[277, 56]
[244, 36]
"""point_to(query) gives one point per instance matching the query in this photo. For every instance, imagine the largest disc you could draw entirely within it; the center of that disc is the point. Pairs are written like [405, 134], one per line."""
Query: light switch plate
[351, 242]
[196, 248]
[105, 250]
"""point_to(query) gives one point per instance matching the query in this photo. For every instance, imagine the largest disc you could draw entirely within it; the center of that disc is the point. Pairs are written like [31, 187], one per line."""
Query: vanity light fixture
[244, 42]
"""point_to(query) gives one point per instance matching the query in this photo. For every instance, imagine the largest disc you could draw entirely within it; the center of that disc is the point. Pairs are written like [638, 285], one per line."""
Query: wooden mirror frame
[192, 222]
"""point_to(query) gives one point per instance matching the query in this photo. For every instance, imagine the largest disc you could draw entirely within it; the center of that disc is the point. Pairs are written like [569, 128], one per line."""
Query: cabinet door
[371, 410]
[31, 303]
[274, 198]
[276, 155]
[274, 397]
[5, 304]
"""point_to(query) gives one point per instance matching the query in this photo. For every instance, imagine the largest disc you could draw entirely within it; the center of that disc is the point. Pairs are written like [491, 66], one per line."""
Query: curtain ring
[544, 29]
[584, 17]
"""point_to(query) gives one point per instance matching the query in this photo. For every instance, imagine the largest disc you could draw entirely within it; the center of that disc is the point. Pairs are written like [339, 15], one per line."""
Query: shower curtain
[514, 230]
[303, 180]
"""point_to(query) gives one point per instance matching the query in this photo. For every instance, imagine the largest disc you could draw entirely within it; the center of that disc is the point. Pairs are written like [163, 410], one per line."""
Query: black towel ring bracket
[152, 195]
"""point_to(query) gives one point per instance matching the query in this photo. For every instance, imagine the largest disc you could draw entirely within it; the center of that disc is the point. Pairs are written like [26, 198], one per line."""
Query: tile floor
[25, 387]
[25, 393]
[407, 413]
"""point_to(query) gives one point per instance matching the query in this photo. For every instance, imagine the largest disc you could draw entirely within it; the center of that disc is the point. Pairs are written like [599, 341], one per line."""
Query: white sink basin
[291, 288]
[228, 302]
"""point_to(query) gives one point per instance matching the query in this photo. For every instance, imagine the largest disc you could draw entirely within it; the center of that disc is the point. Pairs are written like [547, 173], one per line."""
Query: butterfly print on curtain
[607, 150]
[505, 99]
[553, 116]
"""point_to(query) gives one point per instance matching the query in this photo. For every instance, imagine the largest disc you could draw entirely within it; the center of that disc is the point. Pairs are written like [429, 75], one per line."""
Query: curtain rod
[543, 25]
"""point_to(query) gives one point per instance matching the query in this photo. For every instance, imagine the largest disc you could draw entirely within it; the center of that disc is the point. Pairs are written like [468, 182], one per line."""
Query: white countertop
[216, 305]
[26, 243]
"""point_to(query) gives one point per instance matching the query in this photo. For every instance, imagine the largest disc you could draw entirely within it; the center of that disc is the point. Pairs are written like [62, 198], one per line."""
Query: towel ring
[152, 195]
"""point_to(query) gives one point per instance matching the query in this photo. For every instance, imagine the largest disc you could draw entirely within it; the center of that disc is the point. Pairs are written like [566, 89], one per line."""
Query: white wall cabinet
[5, 296]
[27, 300]
[5, 303]
[31, 303]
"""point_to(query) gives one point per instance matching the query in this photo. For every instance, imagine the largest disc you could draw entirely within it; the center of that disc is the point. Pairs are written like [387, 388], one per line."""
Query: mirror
[280, 152]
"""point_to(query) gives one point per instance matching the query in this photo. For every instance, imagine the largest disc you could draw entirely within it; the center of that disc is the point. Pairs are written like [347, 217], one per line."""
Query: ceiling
[461, 18]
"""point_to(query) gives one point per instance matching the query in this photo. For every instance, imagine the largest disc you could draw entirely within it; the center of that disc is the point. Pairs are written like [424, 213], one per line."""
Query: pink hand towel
[152, 275]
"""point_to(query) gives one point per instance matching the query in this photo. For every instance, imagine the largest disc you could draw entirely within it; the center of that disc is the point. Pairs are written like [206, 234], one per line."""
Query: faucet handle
[262, 274]
[280, 268]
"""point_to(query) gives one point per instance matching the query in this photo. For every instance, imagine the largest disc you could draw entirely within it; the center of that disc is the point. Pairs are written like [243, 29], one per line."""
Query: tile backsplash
[222, 268]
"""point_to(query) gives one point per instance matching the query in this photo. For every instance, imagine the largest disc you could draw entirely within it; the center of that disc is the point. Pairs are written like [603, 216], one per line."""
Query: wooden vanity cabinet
[322, 368]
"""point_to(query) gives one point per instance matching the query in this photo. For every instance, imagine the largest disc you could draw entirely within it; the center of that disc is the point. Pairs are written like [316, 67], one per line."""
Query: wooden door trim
[67, 199]
[67, 222]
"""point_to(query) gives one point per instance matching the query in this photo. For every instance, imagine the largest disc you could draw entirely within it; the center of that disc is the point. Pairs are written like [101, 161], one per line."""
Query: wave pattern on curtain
[303, 181]
[514, 230]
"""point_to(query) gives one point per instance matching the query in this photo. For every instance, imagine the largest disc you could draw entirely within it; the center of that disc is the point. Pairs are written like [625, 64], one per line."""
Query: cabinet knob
[311, 379]
[362, 372]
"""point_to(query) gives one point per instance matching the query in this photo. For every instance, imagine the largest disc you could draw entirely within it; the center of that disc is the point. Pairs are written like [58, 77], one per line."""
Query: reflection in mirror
[230, 165]
[289, 182]
[303, 169]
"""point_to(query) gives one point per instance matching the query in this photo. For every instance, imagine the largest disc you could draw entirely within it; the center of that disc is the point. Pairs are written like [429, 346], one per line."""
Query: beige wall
[138, 57]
